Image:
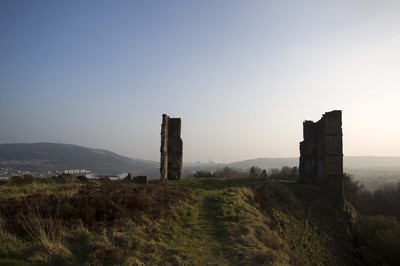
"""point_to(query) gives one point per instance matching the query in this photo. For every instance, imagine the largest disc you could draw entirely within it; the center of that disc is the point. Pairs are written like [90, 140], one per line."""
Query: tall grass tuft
[46, 233]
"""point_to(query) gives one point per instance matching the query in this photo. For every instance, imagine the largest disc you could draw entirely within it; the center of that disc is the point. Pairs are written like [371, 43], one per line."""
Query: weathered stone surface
[332, 145]
[321, 154]
[164, 147]
[309, 130]
[171, 148]
[333, 166]
[308, 148]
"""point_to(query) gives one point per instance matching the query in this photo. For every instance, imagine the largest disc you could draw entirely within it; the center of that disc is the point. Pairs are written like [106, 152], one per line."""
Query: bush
[379, 239]
[384, 201]
[203, 174]
[228, 172]
[10, 245]
[109, 202]
[255, 172]
[388, 200]
[351, 188]
[285, 173]
[22, 180]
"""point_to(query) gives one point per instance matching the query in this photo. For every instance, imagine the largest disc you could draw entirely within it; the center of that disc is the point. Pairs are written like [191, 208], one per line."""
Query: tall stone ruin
[321, 155]
[171, 148]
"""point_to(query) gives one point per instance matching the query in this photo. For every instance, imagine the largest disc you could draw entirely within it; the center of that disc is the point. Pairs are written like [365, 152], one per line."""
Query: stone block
[307, 148]
[333, 145]
[333, 165]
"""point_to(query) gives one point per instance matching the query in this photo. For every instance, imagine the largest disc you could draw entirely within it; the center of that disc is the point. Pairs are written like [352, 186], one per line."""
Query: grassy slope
[256, 222]
[184, 222]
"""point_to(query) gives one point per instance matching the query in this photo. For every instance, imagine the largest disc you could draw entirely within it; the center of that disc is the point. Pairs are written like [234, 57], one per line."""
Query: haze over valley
[46, 159]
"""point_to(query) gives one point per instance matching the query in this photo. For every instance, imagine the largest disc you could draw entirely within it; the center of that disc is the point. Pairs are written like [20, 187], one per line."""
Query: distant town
[30, 167]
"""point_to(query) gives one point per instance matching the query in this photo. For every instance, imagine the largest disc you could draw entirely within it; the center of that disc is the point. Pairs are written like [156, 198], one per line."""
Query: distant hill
[350, 162]
[266, 163]
[371, 171]
[53, 157]
[366, 162]
[44, 157]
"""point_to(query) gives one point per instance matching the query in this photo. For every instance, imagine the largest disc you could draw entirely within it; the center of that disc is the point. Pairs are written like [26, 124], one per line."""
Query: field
[242, 221]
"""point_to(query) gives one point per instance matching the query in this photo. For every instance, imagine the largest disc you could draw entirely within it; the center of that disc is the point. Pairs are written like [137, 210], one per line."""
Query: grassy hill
[64, 221]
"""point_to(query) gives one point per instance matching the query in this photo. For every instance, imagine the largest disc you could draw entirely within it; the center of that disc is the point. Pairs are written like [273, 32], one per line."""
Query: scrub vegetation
[203, 221]
[378, 230]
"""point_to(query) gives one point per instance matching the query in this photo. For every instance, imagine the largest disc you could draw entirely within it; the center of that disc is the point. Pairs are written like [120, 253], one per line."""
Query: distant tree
[384, 201]
[263, 174]
[379, 239]
[274, 172]
[352, 188]
[387, 201]
[228, 172]
[203, 174]
[254, 172]
[285, 173]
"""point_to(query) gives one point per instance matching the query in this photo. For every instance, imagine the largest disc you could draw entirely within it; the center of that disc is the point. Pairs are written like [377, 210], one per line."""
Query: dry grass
[70, 223]
[10, 245]
[185, 222]
[46, 233]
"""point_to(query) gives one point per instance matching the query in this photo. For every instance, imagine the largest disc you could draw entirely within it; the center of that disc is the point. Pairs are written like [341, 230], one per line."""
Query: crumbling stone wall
[171, 148]
[321, 155]
[164, 147]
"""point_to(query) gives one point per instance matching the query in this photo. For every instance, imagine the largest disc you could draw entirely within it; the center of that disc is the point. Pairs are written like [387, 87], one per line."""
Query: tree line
[378, 231]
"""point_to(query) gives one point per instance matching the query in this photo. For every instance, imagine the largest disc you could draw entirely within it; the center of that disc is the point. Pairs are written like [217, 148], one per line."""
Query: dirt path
[198, 241]
[212, 245]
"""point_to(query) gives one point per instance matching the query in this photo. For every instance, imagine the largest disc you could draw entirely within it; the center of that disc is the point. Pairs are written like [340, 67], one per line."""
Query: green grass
[221, 227]
[238, 221]
[217, 183]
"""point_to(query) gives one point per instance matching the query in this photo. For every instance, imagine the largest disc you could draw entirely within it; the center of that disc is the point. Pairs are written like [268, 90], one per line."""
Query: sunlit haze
[242, 75]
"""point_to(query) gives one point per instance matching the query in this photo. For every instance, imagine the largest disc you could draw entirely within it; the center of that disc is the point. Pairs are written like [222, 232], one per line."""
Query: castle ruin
[171, 148]
[321, 155]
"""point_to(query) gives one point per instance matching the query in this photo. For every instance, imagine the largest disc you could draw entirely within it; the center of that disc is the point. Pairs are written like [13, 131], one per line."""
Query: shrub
[255, 172]
[203, 174]
[10, 245]
[384, 201]
[22, 180]
[285, 173]
[379, 239]
[228, 172]
[46, 233]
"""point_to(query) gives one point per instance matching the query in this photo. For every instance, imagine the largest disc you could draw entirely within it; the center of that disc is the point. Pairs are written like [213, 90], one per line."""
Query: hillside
[184, 222]
[39, 157]
[44, 157]
[350, 162]
[266, 163]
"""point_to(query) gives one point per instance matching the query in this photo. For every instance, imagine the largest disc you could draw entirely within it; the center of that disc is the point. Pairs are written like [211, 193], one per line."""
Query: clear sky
[242, 75]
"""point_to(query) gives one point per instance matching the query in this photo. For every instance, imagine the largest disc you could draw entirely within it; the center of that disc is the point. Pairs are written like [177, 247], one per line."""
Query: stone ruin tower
[171, 148]
[321, 155]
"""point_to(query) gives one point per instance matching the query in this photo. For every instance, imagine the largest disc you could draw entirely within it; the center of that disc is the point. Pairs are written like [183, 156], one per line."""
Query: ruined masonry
[321, 155]
[171, 148]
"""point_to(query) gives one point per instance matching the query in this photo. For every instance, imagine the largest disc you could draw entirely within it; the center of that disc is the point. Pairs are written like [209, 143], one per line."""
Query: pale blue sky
[242, 75]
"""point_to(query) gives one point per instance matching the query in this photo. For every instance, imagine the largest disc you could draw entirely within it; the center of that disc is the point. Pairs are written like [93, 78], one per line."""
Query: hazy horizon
[243, 76]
